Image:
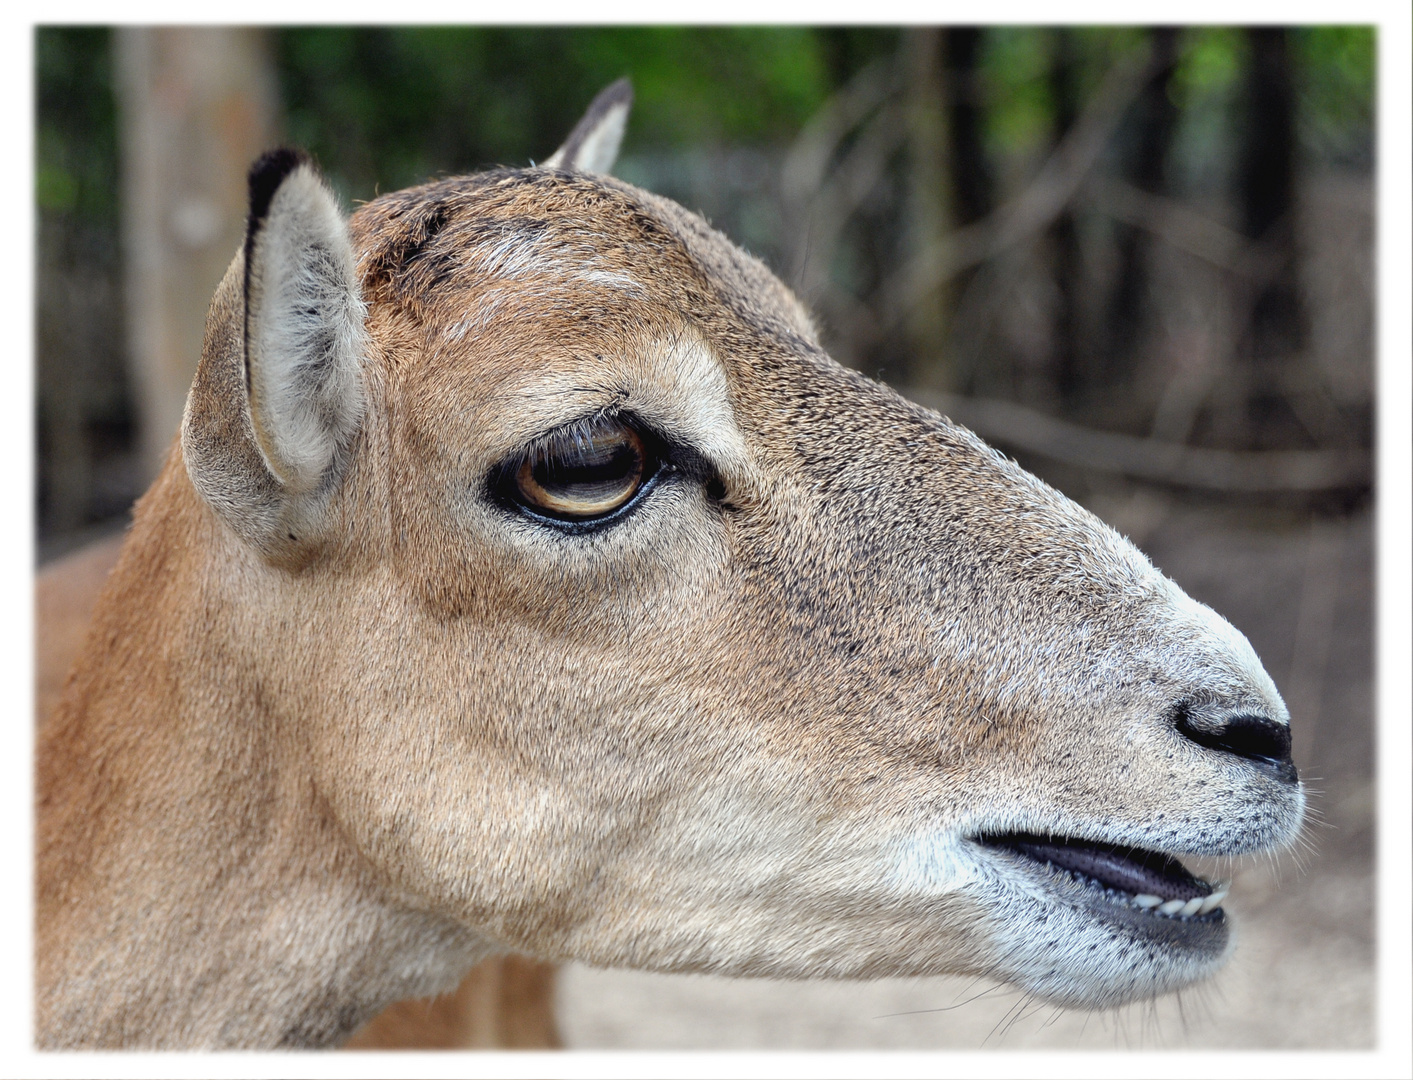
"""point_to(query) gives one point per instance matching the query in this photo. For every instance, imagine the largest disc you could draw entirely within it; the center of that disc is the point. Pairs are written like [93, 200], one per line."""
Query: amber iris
[585, 472]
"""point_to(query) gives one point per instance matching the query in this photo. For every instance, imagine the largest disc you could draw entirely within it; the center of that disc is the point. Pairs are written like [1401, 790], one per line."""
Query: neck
[193, 888]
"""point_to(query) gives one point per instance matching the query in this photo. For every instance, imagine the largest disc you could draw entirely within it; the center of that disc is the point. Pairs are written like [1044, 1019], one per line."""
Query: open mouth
[1147, 880]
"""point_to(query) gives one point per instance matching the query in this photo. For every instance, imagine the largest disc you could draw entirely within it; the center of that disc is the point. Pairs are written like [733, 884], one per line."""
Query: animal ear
[303, 321]
[593, 144]
[278, 395]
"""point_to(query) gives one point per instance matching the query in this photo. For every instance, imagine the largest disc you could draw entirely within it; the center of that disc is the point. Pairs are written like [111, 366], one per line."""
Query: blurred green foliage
[76, 141]
[1333, 70]
[1016, 66]
[1336, 92]
[384, 108]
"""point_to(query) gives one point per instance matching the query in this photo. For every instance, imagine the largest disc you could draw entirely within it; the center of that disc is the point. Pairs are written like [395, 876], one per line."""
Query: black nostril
[1259, 739]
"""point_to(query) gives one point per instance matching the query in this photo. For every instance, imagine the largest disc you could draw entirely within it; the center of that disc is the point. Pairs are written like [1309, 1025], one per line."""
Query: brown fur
[326, 751]
[505, 1002]
[64, 594]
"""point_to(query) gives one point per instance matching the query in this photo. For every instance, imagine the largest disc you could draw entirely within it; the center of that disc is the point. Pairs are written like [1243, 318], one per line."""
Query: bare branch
[846, 189]
[1184, 228]
[805, 165]
[819, 198]
[1036, 207]
[1021, 428]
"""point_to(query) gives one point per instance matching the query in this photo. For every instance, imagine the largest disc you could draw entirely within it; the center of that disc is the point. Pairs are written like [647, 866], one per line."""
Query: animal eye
[584, 473]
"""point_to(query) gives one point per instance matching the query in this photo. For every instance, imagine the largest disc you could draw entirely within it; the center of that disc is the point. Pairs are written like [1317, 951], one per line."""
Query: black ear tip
[268, 173]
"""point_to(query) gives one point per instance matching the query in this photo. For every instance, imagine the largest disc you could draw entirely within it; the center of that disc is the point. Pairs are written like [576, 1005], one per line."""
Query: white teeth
[1212, 902]
[1197, 905]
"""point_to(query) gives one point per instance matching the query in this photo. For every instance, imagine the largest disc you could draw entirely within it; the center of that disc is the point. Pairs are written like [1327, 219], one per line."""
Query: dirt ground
[1302, 976]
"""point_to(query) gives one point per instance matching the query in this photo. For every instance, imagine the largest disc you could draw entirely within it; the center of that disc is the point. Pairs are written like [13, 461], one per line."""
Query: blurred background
[1138, 259]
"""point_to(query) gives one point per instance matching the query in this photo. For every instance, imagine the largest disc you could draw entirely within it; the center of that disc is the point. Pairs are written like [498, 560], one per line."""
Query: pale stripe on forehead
[523, 273]
[497, 303]
[613, 279]
[513, 256]
[539, 253]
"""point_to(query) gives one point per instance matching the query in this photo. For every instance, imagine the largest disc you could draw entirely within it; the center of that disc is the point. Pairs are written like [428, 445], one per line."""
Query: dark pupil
[584, 474]
[597, 469]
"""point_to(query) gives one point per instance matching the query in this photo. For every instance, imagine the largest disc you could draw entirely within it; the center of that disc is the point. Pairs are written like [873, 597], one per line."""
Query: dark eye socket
[584, 474]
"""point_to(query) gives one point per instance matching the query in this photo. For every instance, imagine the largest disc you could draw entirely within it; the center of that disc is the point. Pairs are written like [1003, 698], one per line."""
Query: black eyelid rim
[669, 455]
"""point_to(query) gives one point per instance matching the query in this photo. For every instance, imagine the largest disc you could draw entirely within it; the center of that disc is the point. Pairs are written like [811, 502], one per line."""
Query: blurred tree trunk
[973, 187]
[928, 207]
[82, 416]
[197, 106]
[1155, 120]
[1067, 347]
[1267, 196]
[973, 190]
[1268, 186]
[70, 325]
[950, 180]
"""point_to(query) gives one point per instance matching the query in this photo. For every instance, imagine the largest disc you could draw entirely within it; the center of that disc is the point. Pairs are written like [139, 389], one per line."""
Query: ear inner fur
[593, 144]
[263, 180]
[303, 322]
